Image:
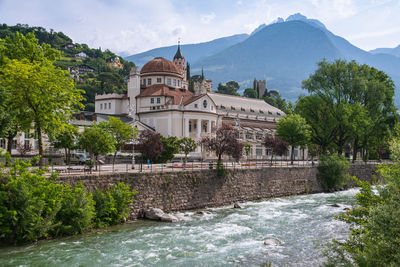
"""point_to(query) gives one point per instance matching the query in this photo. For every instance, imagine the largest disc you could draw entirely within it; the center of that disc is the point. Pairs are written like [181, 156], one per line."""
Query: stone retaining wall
[173, 191]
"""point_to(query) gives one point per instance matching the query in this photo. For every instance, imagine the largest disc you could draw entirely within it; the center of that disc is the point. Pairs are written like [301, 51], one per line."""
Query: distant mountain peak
[294, 17]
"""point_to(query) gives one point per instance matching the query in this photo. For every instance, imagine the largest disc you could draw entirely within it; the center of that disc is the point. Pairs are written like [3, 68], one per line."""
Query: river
[220, 237]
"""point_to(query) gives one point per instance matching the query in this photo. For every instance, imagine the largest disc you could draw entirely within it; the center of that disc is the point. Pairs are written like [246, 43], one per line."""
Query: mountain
[285, 53]
[390, 51]
[192, 52]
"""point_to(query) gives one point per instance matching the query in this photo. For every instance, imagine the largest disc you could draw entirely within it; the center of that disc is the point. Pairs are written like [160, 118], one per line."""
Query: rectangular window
[144, 81]
[27, 135]
[158, 80]
[149, 81]
[109, 105]
[14, 144]
[196, 106]
[158, 100]
[168, 81]
[179, 83]
[174, 82]
[101, 106]
[2, 143]
[26, 144]
[151, 100]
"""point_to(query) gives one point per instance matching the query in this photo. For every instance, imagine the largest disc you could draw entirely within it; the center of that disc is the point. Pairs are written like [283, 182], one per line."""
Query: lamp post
[132, 114]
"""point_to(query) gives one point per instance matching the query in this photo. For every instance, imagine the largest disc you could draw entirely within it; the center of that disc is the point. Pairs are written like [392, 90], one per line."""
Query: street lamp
[132, 114]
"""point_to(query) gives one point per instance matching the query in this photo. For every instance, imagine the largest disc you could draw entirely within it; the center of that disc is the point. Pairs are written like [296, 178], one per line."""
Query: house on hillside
[81, 55]
[69, 46]
[115, 63]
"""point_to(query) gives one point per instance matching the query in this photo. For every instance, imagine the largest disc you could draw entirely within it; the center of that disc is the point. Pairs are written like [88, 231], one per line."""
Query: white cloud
[206, 19]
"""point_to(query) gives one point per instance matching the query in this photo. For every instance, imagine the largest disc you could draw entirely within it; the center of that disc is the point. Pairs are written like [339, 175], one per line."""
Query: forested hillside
[90, 69]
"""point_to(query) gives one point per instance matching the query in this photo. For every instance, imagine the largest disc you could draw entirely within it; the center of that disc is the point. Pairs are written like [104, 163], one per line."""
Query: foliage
[97, 141]
[225, 142]
[112, 206]
[276, 145]
[187, 145]
[294, 130]
[247, 148]
[150, 145]
[250, 93]
[42, 96]
[170, 147]
[66, 139]
[374, 225]
[77, 211]
[33, 206]
[348, 103]
[332, 169]
[273, 98]
[121, 132]
[230, 88]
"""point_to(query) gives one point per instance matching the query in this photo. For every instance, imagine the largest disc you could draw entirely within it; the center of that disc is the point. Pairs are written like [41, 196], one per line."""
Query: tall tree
[123, 133]
[40, 95]
[294, 130]
[170, 148]
[339, 84]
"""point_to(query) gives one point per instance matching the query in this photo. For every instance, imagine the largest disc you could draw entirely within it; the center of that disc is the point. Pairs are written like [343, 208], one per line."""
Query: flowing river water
[219, 237]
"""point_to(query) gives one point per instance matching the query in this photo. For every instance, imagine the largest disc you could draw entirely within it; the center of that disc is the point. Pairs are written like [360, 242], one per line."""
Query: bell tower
[179, 61]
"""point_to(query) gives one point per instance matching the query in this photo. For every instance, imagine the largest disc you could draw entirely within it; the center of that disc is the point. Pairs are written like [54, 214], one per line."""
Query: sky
[127, 27]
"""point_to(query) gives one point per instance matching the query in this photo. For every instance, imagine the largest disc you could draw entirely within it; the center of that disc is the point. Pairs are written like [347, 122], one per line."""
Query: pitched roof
[178, 54]
[163, 90]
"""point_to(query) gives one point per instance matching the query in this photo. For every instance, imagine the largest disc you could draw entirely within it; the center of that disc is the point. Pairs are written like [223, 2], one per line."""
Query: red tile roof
[163, 90]
[159, 64]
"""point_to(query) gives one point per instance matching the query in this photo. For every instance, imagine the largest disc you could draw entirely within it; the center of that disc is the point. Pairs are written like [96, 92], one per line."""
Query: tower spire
[178, 54]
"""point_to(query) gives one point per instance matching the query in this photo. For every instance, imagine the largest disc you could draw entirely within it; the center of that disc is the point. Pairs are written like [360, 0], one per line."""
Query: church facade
[158, 96]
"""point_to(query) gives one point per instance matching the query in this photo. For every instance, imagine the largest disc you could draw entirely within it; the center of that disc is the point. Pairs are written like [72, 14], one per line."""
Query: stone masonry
[174, 191]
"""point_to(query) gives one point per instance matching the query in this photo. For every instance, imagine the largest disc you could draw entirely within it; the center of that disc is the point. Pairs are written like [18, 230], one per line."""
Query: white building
[159, 98]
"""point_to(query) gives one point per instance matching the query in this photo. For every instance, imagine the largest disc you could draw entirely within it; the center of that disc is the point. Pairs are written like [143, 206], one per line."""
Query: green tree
[187, 145]
[339, 84]
[66, 140]
[123, 133]
[230, 88]
[170, 147]
[374, 237]
[97, 141]
[250, 93]
[42, 96]
[294, 130]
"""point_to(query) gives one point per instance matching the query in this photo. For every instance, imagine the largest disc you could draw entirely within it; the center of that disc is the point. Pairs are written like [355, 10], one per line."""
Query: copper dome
[159, 64]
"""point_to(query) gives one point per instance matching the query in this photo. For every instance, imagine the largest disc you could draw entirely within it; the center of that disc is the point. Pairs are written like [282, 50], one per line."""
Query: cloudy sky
[131, 26]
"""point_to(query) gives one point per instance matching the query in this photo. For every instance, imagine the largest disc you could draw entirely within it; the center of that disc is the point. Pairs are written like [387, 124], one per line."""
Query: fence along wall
[174, 191]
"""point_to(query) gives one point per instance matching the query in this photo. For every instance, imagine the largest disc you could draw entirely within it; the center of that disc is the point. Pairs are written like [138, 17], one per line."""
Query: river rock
[199, 212]
[237, 206]
[272, 242]
[335, 205]
[159, 215]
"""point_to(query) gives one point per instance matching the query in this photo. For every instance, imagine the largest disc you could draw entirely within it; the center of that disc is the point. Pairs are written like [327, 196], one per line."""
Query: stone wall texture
[174, 191]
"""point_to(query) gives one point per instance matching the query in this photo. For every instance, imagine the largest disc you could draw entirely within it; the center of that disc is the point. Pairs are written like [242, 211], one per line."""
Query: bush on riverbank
[332, 169]
[34, 207]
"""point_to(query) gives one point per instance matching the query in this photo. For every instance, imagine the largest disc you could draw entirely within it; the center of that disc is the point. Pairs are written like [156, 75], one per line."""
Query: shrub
[77, 212]
[29, 204]
[112, 206]
[332, 170]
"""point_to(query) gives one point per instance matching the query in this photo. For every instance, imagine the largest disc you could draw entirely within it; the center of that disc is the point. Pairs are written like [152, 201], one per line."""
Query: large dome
[159, 64]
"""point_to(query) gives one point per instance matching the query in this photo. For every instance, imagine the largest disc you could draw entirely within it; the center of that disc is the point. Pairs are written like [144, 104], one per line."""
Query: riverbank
[179, 191]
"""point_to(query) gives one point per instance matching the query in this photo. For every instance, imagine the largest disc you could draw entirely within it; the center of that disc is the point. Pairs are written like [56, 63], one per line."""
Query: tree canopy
[348, 103]
[230, 88]
[294, 130]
